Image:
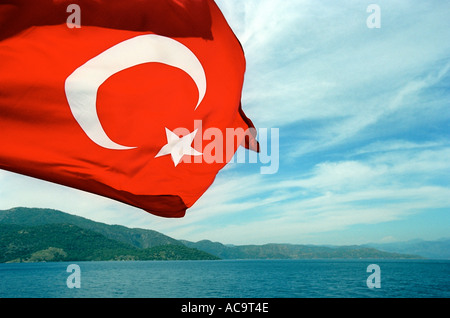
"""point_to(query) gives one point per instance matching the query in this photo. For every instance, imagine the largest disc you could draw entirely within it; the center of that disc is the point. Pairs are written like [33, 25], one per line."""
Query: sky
[357, 123]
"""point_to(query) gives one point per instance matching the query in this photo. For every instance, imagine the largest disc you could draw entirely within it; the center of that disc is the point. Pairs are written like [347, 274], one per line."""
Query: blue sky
[364, 125]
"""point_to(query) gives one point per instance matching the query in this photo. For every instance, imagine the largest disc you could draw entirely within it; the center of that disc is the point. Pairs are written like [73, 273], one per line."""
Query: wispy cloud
[316, 64]
[385, 186]
[399, 145]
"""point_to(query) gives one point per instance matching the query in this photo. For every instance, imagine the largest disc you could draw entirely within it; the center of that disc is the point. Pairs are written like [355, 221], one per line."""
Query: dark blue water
[229, 279]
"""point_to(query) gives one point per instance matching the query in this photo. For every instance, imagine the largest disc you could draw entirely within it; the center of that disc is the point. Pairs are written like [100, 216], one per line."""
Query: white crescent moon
[82, 85]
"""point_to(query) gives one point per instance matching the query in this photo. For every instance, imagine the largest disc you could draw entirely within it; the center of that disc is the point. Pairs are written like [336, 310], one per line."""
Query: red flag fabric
[99, 106]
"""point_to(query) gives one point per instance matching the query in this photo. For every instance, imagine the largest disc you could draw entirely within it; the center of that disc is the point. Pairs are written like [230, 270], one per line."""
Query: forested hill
[136, 237]
[35, 235]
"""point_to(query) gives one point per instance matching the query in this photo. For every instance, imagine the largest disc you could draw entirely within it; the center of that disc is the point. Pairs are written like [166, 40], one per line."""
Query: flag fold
[122, 105]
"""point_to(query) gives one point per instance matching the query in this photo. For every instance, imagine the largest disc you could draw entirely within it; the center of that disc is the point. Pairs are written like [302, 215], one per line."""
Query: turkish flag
[98, 106]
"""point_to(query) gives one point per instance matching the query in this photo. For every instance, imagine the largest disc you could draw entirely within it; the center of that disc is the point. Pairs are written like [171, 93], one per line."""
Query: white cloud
[384, 187]
[317, 63]
[398, 145]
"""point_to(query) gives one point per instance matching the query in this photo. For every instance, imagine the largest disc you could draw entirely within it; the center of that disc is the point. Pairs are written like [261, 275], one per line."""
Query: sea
[322, 278]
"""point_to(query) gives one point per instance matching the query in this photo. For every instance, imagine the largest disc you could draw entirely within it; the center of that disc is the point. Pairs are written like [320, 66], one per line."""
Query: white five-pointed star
[177, 147]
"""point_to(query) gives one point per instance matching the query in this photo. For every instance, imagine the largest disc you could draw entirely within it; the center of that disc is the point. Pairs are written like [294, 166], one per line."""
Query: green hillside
[136, 237]
[36, 235]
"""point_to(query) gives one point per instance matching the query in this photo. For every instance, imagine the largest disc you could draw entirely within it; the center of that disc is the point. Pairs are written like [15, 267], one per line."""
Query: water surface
[228, 279]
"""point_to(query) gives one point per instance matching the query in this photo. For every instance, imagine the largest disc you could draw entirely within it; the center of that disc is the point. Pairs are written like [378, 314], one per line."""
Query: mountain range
[438, 249]
[32, 235]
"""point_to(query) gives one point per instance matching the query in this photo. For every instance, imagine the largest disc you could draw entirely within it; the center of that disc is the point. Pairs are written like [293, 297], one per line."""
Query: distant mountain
[32, 235]
[291, 251]
[439, 249]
